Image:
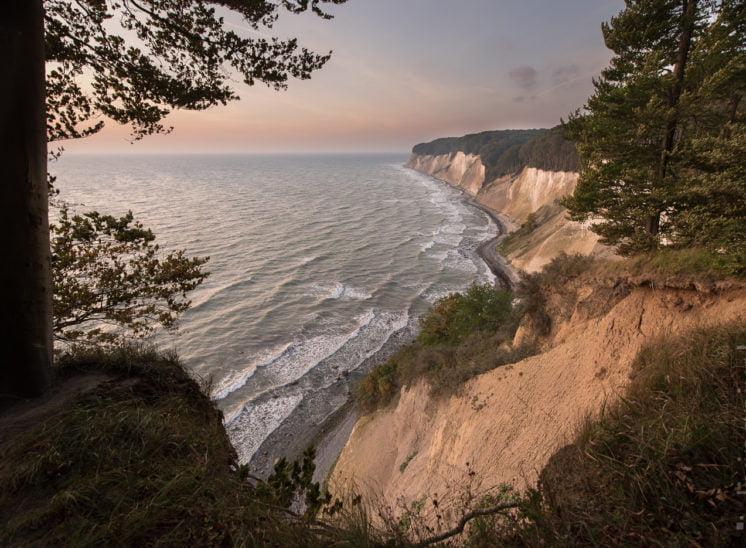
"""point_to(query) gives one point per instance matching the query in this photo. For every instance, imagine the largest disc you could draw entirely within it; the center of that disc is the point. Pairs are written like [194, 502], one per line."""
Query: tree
[26, 319]
[110, 280]
[710, 207]
[635, 134]
[127, 60]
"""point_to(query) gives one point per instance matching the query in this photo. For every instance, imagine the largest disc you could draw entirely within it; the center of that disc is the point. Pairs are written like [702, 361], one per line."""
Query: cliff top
[508, 151]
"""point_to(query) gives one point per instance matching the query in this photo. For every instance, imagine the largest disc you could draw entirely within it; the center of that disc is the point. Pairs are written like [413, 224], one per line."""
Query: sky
[402, 72]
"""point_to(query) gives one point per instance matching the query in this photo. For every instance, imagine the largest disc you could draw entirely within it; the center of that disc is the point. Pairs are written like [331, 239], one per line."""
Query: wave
[256, 421]
[294, 359]
[238, 379]
[338, 290]
[251, 423]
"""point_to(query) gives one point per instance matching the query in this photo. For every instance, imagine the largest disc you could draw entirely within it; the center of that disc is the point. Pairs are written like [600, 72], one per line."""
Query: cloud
[564, 73]
[524, 76]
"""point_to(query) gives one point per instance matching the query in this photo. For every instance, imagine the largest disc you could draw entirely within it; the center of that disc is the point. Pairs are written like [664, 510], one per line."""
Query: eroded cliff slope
[504, 425]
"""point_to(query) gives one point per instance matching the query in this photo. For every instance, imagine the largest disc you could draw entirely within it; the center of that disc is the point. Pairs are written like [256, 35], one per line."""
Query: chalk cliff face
[465, 171]
[505, 424]
[517, 196]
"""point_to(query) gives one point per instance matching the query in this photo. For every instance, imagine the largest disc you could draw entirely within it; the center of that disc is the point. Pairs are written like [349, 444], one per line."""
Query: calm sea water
[316, 262]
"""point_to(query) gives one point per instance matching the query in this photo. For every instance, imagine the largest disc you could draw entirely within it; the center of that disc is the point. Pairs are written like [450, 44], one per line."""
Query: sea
[319, 264]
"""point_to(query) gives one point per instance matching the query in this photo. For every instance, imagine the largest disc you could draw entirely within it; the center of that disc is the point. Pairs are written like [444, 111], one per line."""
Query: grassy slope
[661, 468]
[139, 460]
[143, 459]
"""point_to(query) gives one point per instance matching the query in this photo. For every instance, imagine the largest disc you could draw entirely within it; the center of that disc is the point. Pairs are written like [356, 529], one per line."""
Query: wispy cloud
[525, 76]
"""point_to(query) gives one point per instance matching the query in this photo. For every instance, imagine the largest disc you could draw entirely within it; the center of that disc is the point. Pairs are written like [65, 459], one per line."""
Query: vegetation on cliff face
[461, 336]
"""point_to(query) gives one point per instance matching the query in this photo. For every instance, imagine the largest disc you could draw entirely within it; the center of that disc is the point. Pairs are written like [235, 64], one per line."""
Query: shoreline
[329, 433]
[497, 263]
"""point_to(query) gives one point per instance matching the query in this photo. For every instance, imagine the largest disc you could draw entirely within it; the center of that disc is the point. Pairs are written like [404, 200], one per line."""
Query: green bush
[453, 318]
[462, 335]
[379, 386]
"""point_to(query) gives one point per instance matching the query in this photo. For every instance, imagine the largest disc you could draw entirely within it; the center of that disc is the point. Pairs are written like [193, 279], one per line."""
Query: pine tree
[710, 206]
[674, 84]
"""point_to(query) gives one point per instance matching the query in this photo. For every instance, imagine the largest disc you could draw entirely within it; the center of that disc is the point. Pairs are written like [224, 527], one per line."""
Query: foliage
[134, 60]
[508, 151]
[533, 289]
[508, 243]
[462, 335]
[380, 385]
[475, 143]
[714, 218]
[437, 327]
[111, 281]
[290, 483]
[661, 466]
[452, 318]
[662, 138]
[405, 463]
[550, 151]
[682, 267]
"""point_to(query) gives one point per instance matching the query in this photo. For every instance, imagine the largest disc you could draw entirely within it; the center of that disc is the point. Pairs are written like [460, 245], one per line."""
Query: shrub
[379, 386]
[461, 336]
[533, 288]
[455, 317]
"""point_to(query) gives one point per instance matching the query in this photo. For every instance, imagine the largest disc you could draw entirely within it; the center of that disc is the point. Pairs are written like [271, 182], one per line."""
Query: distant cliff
[520, 174]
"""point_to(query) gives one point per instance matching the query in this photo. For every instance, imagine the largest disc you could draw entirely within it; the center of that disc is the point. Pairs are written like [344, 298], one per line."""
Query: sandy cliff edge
[505, 424]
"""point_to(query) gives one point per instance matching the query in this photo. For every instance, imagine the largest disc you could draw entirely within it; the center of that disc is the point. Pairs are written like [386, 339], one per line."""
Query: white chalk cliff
[516, 197]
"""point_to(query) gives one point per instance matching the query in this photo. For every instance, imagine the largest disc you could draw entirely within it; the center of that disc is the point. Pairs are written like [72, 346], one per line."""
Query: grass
[140, 460]
[695, 264]
[403, 465]
[445, 368]
[660, 467]
[524, 237]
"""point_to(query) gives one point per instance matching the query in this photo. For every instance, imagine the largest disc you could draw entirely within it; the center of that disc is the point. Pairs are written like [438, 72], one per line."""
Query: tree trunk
[25, 277]
[688, 19]
[732, 117]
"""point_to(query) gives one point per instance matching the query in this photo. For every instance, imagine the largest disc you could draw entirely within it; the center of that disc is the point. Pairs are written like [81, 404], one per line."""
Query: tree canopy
[134, 60]
[662, 138]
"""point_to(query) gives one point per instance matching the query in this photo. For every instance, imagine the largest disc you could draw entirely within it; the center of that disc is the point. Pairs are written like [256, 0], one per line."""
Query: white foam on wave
[338, 290]
[304, 260]
[250, 424]
[238, 379]
[256, 422]
[455, 261]
[369, 340]
[433, 294]
[304, 355]
[427, 245]
[203, 295]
